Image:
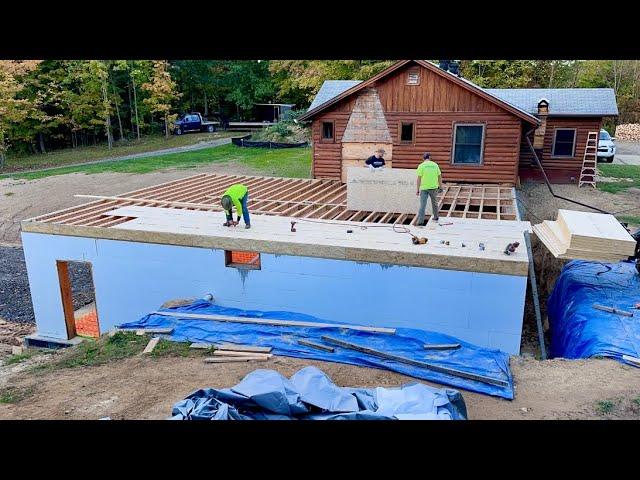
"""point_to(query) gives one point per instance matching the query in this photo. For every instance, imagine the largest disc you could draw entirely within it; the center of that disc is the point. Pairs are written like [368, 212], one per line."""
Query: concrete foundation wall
[132, 279]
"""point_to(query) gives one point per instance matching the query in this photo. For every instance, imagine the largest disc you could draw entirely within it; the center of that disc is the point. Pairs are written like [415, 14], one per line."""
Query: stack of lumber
[628, 131]
[229, 353]
[586, 236]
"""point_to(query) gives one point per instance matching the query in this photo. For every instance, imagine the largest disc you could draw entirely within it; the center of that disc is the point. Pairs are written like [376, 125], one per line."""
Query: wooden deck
[287, 197]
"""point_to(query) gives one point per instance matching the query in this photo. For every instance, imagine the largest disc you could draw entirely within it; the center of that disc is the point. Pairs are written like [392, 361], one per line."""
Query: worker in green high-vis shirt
[429, 183]
[236, 195]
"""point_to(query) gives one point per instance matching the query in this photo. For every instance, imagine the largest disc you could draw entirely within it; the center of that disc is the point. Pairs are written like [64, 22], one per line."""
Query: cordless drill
[511, 248]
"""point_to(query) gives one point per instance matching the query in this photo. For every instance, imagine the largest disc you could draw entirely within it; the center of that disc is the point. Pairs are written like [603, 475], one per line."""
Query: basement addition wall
[131, 279]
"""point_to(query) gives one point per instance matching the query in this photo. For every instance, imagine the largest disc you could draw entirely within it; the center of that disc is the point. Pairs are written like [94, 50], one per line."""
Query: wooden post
[67, 299]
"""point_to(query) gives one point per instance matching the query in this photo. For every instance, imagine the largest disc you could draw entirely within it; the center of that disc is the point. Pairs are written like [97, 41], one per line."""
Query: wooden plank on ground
[150, 331]
[615, 310]
[234, 359]
[409, 361]
[151, 345]
[229, 353]
[318, 346]
[201, 346]
[441, 346]
[283, 323]
[159, 331]
[633, 360]
[243, 348]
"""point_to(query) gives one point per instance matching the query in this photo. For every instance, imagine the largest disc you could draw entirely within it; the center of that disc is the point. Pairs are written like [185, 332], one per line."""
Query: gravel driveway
[155, 153]
[20, 199]
[15, 298]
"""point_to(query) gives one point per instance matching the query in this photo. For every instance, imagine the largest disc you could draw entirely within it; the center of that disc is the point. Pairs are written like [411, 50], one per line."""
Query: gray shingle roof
[331, 89]
[562, 101]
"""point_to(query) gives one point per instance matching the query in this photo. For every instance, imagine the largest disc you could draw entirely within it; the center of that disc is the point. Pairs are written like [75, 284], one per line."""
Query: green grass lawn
[121, 148]
[630, 174]
[286, 162]
[630, 219]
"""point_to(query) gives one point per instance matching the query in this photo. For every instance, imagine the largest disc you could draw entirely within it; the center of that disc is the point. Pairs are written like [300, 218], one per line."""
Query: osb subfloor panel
[454, 245]
[288, 197]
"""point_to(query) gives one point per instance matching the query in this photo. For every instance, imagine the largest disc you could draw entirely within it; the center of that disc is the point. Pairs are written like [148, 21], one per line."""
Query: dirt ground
[146, 388]
[21, 199]
[142, 387]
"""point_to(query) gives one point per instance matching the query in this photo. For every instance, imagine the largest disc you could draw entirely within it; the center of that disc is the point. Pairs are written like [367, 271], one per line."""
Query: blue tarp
[580, 331]
[311, 395]
[283, 339]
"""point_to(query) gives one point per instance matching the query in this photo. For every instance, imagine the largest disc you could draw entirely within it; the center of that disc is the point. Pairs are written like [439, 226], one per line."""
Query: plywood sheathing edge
[504, 266]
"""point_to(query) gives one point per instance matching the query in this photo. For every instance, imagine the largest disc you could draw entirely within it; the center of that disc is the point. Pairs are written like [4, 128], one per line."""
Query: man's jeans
[245, 210]
[423, 204]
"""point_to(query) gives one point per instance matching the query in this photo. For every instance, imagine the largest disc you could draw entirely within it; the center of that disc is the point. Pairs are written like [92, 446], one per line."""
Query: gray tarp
[311, 395]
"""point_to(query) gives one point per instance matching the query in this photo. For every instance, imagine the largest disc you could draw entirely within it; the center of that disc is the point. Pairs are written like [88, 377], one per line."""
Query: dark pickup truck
[193, 122]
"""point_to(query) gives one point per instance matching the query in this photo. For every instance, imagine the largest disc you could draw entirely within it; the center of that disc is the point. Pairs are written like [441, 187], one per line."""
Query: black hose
[546, 179]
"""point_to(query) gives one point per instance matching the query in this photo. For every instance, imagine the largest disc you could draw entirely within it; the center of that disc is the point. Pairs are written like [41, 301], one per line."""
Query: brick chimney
[366, 131]
[543, 112]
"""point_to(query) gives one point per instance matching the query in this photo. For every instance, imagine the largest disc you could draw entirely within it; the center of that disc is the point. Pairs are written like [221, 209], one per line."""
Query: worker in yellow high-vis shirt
[429, 183]
[236, 195]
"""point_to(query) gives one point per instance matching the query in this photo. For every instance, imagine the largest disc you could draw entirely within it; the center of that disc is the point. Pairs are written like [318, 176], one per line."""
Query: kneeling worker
[428, 185]
[376, 160]
[236, 195]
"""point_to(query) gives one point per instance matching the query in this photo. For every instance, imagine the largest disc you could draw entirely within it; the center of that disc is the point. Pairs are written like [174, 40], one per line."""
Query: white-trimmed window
[468, 143]
[564, 142]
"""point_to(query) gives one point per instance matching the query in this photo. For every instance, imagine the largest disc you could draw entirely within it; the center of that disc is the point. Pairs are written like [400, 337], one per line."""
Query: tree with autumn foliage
[13, 108]
[56, 104]
[300, 80]
[162, 91]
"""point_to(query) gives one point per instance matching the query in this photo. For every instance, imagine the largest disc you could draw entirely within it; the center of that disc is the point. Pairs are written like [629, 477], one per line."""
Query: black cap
[426, 155]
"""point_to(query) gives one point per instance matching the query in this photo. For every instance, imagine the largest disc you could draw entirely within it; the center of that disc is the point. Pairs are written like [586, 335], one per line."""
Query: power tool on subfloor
[418, 240]
[511, 248]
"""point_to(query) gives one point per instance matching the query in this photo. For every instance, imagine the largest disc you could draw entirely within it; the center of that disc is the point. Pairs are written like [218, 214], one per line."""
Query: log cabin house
[476, 135]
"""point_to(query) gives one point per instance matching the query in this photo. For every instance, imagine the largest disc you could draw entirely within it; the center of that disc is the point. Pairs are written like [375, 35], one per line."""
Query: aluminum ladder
[589, 161]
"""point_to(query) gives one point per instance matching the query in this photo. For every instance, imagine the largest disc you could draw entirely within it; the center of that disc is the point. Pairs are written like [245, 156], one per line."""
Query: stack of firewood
[628, 131]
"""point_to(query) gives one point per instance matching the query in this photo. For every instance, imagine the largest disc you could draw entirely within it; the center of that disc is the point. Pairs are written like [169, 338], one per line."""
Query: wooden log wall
[583, 126]
[572, 164]
[435, 105]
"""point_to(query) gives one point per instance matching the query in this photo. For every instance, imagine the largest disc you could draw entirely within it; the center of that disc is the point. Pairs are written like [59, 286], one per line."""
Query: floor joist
[302, 198]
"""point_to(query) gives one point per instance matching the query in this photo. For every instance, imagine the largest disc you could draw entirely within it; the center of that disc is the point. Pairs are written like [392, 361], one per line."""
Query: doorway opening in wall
[78, 298]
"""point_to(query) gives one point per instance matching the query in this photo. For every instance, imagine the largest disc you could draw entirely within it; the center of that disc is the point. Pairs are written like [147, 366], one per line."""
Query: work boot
[248, 225]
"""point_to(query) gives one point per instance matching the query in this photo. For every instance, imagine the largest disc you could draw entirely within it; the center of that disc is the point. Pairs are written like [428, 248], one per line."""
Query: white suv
[606, 147]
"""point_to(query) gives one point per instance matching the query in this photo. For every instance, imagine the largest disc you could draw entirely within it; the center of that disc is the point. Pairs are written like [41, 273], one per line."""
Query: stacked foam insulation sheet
[586, 236]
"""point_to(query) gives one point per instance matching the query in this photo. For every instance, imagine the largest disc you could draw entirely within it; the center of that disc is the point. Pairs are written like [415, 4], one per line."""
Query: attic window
[413, 78]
